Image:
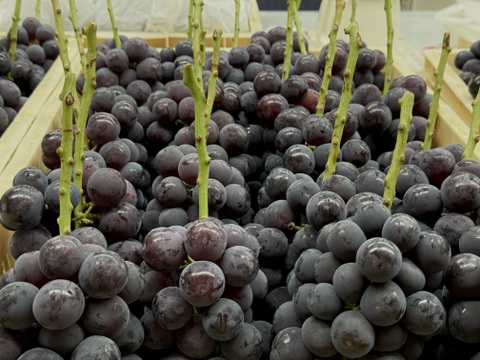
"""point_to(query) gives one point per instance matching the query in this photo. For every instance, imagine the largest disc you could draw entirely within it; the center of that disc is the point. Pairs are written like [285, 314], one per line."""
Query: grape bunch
[37, 48]
[468, 62]
[288, 264]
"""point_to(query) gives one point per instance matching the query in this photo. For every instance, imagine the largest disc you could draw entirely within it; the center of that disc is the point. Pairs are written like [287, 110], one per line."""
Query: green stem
[65, 153]
[212, 80]
[90, 32]
[291, 6]
[198, 42]
[76, 29]
[332, 49]
[14, 30]
[189, 78]
[190, 20]
[389, 60]
[38, 6]
[474, 134]
[432, 115]
[298, 26]
[62, 38]
[341, 115]
[406, 103]
[113, 21]
[237, 23]
[353, 15]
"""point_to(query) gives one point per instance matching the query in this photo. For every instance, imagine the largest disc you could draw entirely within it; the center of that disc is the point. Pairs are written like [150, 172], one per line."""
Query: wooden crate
[20, 145]
[454, 90]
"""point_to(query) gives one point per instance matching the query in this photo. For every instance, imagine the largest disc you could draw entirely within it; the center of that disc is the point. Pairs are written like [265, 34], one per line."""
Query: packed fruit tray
[24, 144]
[454, 90]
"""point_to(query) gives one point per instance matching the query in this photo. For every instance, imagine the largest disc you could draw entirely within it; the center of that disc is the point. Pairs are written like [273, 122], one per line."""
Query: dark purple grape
[21, 207]
[58, 304]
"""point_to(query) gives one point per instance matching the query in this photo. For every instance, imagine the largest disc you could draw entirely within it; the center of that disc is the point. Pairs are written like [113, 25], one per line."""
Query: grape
[403, 230]
[107, 317]
[202, 283]
[432, 252]
[410, 278]
[205, 240]
[316, 334]
[62, 341]
[21, 207]
[27, 268]
[103, 274]
[352, 335]
[106, 187]
[192, 339]
[61, 257]
[323, 302]
[461, 276]
[239, 265]
[16, 301]
[39, 352]
[102, 127]
[383, 304]
[468, 242]
[170, 310]
[25, 240]
[120, 222]
[246, 345]
[371, 217]
[425, 313]
[325, 207]
[98, 347]
[344, 238]
[163, 249]
[127, 343]
[155, 337]
[348, 283]
[58, 304]
[223, 320]
[390, 338]
[378, 259]
[89, 235]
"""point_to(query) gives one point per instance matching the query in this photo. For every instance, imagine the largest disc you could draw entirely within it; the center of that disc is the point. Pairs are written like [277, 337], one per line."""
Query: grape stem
[81, 143]
[474, 134]
[341, 115]
[291, 7]
[65, 153]
[76, 30]
[190, 20]
[298, 26]
[38, 5]
[406, 106]
[237, 23]
[203, 108]
[113, 21]
[14, 30]
[69, 100]
[389, 60]
[198, 40]
[353, 15]
[432, 115]
[332, 49]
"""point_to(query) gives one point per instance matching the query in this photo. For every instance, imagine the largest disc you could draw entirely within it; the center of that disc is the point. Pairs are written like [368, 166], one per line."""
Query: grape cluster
[289, 264]
[468, 62]
[37, 48]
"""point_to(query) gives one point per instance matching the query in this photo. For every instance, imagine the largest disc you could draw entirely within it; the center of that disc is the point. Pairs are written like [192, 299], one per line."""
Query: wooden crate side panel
[14, 134]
